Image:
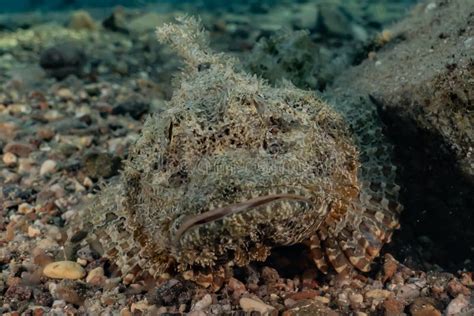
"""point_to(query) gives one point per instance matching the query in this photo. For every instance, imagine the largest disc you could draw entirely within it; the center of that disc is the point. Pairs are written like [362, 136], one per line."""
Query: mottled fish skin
[237, 167]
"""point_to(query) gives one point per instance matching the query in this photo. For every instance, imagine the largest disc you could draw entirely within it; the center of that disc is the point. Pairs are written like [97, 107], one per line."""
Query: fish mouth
[221, 212]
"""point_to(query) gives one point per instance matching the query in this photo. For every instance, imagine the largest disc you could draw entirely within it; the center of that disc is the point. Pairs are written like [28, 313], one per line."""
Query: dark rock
[310, 307]
[172, 293]
[62, 60]
[133, 106]
[18, 293]
[116, 21]
[71, 291]
[101, 165]
[43, 298]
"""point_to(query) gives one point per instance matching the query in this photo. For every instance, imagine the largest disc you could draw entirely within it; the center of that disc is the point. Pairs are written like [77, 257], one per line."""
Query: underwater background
[79, 79]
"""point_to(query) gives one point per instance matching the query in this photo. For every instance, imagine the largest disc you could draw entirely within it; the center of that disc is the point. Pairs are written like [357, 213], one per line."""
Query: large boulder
[423, 78]
[422, 83]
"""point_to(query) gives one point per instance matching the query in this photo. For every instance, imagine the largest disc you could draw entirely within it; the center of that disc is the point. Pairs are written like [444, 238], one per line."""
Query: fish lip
[221, 212]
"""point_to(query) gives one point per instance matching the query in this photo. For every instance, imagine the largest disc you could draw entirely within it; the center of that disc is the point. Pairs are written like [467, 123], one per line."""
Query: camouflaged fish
[236, 167]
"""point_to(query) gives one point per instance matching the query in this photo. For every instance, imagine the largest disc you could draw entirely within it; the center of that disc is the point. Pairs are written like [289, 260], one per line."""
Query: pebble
[62, 60]
[455, 287]
[140, 306]
[100, 165]
[48, 167]
[25, 208]
[377, 294]
[456, 306]
[9, 159]
[96, 276]
[133, 106]
[64, 270]
[252, 305]
[237, 287]
[65, 94]
[356, 299]
[408, 292]
[19, 149]
[203, 303]
[393, 307]
[33, 231]
[82, 20]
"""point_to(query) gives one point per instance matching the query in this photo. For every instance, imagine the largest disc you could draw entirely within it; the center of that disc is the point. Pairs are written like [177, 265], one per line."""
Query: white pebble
[251, 305]
[48, 167]
[203, 303]
[9, 159]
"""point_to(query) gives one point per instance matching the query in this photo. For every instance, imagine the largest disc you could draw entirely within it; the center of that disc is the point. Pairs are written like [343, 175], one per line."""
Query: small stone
[203, 303]
[377, 294]
[82, 20]
[64, 270]
[45, 133]
[62, 60]
[424, 310]
[457, 305]
[5, 255]
[96, 276]
[19, 149]
[48, 167]
[9, 159]
[33, 231]
[71, 292]
[393, 307]
[18, 292]
[237, 287]
[101, 165]
[356, 299]
[125, 312]
[140, 306]
[65, 94]
[390, 266]
[117, 21]
[408, 292]
[304, 295]
[25, 208]
[252, 305]
[455, 287]
[310, 307]
[172, 292]
[134, 106]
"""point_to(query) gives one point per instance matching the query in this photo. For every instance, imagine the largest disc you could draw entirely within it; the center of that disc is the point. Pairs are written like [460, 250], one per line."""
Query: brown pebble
[18, 292]
[67, 291]
[96, 276]
[393, 307]
[45, 133]
[19, 149]
[237, 287]
[424, 306]
[455, 288]
[390, 266]
[304, 295]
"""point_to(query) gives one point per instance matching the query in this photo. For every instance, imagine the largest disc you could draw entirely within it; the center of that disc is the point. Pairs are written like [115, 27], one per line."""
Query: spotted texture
[236, 167]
